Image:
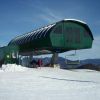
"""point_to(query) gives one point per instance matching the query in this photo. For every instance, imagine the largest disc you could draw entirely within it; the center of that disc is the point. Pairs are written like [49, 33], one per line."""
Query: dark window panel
[58, 30]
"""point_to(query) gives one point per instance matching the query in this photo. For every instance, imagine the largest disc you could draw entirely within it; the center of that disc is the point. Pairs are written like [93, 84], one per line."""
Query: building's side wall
[71, 36]
[57, 36]
[8, 54]
[76, 36]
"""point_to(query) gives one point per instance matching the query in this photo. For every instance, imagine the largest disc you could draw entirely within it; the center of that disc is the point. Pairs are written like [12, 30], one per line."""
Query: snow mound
[1, 70]
[13, 68]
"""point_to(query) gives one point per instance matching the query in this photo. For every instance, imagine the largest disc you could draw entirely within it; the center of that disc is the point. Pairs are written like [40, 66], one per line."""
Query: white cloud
[48, 15]
[49, 18]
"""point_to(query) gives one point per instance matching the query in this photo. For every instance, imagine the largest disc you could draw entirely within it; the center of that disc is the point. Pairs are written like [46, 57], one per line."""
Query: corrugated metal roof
[42, 32]
[75, 20]
[30, 36]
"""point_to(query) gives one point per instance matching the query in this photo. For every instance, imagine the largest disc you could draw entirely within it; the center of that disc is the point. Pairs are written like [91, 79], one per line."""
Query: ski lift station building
[59, 37]
[62, 36]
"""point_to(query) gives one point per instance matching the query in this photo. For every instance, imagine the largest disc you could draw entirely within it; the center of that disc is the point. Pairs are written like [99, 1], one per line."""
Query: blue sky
[21, 16]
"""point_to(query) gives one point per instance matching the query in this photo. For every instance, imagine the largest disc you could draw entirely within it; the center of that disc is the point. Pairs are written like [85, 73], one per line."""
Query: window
[77, 38]
[69, 38]
[86, 34]
[58, 30]
[73, 34]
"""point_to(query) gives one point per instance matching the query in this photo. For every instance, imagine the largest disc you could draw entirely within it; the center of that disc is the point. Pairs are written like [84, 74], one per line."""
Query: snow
[13, 68]
[76, 20]
[1, 70]
[50, 84]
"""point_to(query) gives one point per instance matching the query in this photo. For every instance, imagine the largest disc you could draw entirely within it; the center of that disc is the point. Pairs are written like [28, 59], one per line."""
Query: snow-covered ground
[13, 68]
[48, 84]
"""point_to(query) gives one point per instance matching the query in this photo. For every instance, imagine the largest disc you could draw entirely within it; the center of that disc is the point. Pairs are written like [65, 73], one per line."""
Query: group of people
[35, 63]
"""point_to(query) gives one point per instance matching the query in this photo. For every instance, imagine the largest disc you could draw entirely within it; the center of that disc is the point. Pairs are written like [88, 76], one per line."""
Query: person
[40, 62]
[33, 63]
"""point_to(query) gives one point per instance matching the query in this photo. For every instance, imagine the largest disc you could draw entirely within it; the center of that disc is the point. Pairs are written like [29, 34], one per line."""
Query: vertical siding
[57, 37]
[73, 36]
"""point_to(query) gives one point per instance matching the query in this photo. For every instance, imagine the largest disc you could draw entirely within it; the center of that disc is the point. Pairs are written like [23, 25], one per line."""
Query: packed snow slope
[49, 84]
[13, 68]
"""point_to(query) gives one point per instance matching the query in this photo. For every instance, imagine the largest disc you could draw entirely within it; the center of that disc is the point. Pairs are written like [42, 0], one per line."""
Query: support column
[54, 59]
[19, 59]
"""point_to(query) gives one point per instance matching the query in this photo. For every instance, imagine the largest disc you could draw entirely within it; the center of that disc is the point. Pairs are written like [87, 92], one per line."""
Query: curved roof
[81, 23]
[75, 20]
[28, 37]
[43, 32]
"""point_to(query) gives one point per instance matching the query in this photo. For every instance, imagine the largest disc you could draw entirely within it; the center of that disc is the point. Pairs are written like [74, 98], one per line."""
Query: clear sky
[21, 16]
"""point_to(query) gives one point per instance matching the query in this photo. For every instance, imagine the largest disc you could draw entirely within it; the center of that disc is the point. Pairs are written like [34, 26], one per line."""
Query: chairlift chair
[72, 60]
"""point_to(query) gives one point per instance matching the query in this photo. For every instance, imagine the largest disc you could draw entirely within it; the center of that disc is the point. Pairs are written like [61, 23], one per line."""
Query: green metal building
[59, 37]
[62, 36]
[8, 54]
